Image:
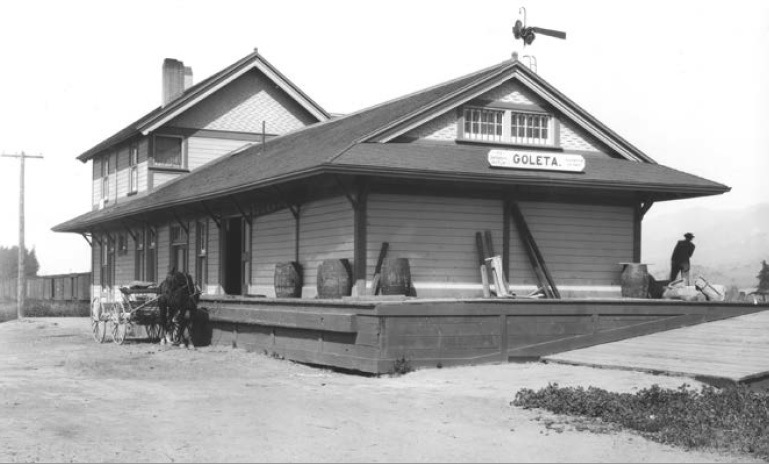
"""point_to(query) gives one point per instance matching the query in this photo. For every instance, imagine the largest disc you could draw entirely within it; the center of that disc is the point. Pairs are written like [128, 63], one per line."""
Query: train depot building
[244, 171]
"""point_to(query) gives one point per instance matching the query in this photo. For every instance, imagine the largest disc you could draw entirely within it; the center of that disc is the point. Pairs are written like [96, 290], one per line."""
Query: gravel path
[65, 398]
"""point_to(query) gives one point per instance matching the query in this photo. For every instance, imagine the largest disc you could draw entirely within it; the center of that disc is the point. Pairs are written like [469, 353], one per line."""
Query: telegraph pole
[20, 276]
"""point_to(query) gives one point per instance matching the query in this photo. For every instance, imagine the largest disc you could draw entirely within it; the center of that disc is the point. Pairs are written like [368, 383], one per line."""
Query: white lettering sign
[552, 161]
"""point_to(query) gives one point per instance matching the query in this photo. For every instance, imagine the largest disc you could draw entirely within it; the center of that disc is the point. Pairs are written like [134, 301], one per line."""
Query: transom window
[508, 126]
[168, 151]
[105, 178]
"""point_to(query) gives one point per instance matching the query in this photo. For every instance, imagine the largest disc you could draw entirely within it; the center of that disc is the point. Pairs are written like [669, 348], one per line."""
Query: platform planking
[734, 350]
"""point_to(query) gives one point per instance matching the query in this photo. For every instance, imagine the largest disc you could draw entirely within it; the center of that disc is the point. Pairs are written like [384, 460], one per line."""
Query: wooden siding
[244, 105]
[119, 178]
[202, 150]
[273, 241]
[582, 244]
[325, 232]
[437, 235]
[124, 263]
[160, 177]
[213, 286]
[163, 252]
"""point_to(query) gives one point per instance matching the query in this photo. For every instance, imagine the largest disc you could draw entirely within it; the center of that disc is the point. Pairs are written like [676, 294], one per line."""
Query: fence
[65, 287]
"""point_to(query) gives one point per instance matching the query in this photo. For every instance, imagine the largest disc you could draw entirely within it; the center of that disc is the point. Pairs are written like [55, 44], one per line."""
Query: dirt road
[65, 398]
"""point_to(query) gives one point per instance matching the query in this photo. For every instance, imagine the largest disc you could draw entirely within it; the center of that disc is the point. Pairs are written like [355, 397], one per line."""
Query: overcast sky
[683, 81]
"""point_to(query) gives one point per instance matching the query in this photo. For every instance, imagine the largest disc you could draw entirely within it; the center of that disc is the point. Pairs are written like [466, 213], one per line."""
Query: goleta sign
[552, 161]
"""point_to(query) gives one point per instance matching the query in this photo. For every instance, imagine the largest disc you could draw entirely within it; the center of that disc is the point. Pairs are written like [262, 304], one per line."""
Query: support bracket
[293, 208]
[130, 232]
[240, 209]
[211, 214]
[645, 206]
[181, 224]
[346, 191]
[85, 237]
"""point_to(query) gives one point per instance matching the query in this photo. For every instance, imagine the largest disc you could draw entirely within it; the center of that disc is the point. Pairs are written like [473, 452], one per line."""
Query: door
[237, 256]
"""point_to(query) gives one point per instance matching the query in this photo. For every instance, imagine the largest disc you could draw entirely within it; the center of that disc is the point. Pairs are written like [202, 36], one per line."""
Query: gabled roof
[343, 145]
[200, 91]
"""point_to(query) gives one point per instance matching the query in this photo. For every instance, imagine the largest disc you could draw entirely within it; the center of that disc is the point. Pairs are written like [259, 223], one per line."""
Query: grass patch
[733, 419]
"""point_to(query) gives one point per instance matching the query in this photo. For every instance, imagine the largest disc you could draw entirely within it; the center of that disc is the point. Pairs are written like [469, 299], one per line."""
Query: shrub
[734, 419]
[402, 366]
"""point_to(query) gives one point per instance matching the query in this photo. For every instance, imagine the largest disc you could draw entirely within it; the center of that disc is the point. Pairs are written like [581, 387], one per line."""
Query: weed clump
[735, 419]
[402, 366]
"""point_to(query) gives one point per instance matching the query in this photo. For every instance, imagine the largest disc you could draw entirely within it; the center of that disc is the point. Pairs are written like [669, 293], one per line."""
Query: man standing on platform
[679, 262]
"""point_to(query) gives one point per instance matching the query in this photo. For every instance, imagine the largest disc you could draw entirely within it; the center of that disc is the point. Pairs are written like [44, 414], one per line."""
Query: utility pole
[20, 277]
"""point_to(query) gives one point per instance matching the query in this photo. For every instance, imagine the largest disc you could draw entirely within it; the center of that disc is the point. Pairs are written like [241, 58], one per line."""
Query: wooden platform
[733, 350]
[371, 335]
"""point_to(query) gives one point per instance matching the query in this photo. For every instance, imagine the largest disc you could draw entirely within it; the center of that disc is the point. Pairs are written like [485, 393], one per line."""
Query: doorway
[236, 266]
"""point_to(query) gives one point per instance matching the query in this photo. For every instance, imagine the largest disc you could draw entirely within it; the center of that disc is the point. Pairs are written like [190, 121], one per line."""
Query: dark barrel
[634, 281]
[288, 280]
[334, 278]
[396, 277]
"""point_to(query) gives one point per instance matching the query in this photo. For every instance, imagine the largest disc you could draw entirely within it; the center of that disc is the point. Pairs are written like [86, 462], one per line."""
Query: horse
[177, 302]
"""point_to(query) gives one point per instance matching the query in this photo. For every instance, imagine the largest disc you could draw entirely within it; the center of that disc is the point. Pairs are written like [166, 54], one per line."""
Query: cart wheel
[119, 323]
[98, 326]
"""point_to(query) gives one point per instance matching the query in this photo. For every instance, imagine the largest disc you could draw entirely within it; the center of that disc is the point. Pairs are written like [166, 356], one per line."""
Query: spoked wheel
[98, 326]
[119, 323]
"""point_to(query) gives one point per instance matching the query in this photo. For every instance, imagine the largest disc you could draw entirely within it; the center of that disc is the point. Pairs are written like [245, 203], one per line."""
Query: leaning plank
[535, 255]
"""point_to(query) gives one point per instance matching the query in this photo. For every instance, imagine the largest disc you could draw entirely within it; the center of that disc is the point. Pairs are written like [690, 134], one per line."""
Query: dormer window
[168, 151]
[507, 126]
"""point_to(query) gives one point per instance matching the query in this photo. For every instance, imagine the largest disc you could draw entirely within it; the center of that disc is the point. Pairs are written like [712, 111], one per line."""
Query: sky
[684, 81]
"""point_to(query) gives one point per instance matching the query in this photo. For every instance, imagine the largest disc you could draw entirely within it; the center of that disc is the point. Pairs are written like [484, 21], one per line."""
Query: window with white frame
[179, 248]
[105, 178]
[483, 124]
[201, 256]
[528, 128]
[133, 169]
[168, 151]
[508, 126]
[139, 267]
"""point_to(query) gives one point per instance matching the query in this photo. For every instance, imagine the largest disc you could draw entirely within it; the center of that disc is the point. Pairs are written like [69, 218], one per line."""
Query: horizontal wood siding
[214, 253]
[203, 150]
[163, 251]
[273, 241]
[437, 236]
[124, 264]
[159, 178]
[582, 245]
[122, 172]
[326, 232]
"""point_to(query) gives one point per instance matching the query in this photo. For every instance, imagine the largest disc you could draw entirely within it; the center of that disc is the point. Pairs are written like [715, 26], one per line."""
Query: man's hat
[688, 235]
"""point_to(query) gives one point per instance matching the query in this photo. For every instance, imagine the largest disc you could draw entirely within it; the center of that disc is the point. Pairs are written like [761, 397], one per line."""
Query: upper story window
[527, 128]
[508, 126]
[169, 151]
[133, 169]
[105, 178]
[483, 124]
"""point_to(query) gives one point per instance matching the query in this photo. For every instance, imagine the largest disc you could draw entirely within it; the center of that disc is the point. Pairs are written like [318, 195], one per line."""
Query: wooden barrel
[334, 278]
[634, 281]
[288, 280]
[396, 277]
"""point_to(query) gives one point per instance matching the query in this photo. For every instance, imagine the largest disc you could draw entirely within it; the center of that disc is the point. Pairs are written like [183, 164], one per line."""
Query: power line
[20, 277]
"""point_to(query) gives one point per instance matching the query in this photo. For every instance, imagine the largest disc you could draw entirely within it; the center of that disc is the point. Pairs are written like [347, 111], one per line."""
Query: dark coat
[682, 252]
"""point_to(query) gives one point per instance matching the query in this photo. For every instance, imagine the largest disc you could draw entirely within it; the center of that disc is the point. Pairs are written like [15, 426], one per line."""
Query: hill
[730, 243]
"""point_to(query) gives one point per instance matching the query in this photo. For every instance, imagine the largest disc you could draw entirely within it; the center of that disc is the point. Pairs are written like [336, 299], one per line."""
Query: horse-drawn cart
[137, 304]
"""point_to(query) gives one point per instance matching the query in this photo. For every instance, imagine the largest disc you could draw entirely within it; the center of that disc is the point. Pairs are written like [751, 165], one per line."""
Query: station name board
[551, 161]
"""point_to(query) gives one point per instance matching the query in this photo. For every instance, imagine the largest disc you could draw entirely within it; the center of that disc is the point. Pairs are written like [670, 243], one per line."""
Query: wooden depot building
[244, 171]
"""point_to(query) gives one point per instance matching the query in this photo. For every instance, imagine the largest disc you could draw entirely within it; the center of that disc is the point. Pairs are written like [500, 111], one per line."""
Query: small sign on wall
[530, 160]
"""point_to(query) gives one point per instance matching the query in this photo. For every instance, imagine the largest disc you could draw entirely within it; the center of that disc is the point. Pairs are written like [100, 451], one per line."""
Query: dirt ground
[65, 398]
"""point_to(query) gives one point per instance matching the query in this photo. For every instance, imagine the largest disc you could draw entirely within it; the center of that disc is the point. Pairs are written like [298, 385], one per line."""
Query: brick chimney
[176, 78]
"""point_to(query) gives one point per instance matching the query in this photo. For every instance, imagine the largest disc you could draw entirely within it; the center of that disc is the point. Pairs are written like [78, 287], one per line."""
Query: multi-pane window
[105, 178]
[168, 151]
[107, 260]
[133, 169]
[179, 248]
[139, 258]
[201, 253]
[483, 124]
[527, 128]
[507, 126]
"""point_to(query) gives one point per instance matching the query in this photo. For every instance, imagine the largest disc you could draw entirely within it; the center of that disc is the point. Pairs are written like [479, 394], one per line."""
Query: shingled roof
[343, 146]
[195, 93]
